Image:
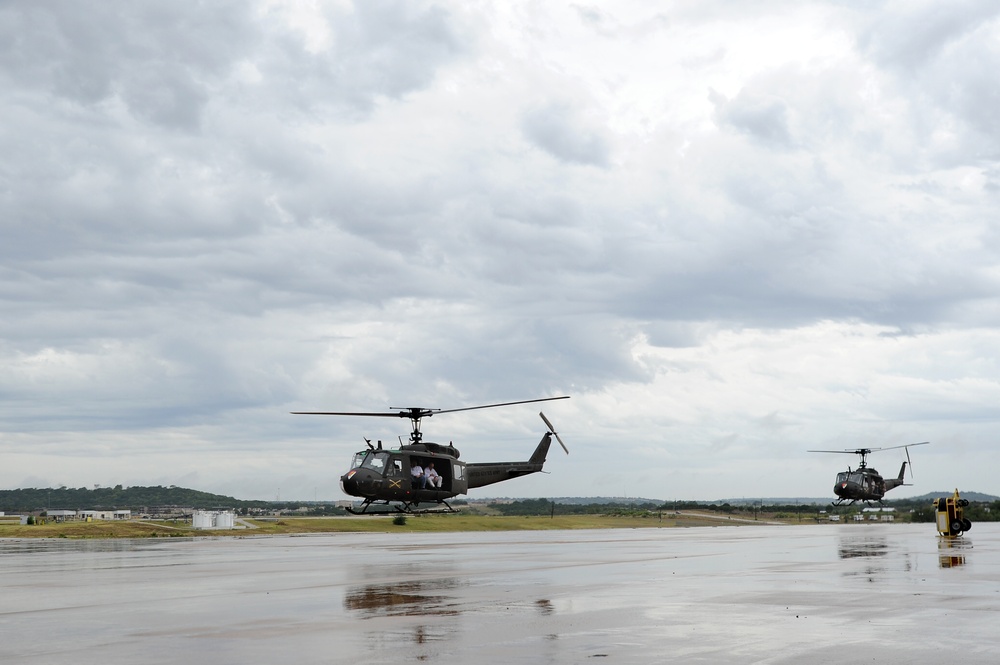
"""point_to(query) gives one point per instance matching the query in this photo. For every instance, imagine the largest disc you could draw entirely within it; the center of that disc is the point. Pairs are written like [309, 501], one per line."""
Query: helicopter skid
[851, 502]
[406, 508]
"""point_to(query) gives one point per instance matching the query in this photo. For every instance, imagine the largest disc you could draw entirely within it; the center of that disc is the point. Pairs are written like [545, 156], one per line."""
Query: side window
[459, 471]
[395, 468]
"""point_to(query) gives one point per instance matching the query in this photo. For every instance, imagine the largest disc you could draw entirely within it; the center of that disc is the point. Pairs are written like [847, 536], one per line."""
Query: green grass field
[299, 525]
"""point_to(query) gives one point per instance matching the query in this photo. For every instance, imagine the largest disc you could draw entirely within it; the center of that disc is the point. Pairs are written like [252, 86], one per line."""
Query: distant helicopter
[864, 483]
[386, 477]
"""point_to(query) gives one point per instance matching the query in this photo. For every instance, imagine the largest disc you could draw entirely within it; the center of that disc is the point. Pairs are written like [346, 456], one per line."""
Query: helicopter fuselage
[861, 485]
[387, 475]
[864, 484]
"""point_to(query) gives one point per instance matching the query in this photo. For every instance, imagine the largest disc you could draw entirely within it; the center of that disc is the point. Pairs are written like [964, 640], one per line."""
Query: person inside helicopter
[432, 477]
[395, 468]
[417, 475]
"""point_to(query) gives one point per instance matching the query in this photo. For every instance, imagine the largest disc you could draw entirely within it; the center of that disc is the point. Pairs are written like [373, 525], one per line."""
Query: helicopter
[865, 483]
[388, 477]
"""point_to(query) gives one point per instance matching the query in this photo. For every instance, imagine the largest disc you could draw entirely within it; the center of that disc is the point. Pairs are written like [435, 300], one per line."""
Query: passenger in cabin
[395, 468]
[431, 476]
[417, 472]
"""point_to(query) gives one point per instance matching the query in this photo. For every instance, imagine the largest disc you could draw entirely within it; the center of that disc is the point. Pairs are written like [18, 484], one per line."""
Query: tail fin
[891, 483]
[538, 457]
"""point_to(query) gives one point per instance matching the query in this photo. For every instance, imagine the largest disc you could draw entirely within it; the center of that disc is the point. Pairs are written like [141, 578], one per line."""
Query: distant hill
[118, 497]
[574, 500]
[971, 496]
[598, 500]
[775, 501]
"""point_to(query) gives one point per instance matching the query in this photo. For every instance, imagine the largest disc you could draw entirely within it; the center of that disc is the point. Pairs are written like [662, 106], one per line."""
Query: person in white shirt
[417, 472]
[432, 476]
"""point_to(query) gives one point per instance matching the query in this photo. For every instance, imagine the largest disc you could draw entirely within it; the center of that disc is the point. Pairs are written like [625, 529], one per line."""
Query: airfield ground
[832, 593]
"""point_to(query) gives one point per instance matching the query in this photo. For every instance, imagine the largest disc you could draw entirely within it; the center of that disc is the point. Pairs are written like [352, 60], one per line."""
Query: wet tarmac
[852, 593]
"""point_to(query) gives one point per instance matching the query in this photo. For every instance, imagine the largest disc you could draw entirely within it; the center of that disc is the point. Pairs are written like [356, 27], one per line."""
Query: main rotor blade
[390, 414]
[554, 433]
[416, 411]
[905, 445]
[858, 451]
[853, 452]
[490, 406]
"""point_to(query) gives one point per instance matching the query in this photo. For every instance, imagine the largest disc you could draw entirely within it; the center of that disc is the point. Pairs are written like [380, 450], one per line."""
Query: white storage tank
[203, 519]
[224, 520]
[213, 519]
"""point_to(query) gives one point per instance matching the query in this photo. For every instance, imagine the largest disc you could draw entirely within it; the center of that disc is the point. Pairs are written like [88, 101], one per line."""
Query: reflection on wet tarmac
[412, 598]
[863, 545]
[545, 606]
[875, 551]
[63, 546]
[951, 551]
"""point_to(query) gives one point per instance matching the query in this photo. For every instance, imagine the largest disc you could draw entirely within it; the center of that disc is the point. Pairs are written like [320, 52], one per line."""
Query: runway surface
[860, 593]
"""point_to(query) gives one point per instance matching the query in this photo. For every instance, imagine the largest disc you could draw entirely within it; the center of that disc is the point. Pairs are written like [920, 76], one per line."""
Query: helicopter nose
[350, 483]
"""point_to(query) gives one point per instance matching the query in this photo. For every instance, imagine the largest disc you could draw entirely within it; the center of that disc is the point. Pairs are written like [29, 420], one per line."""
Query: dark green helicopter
[424, 472]
[864, 483]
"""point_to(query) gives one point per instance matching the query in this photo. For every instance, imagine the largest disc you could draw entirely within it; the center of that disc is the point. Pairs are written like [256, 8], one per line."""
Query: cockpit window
[378, 461]
[375, 461]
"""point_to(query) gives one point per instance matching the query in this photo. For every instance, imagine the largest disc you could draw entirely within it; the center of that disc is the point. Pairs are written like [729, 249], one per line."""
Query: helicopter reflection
[411, 598]
[951, 551]
[419, 598]
[428, 641]
[872, 550]
[855, 546]
[544, 606]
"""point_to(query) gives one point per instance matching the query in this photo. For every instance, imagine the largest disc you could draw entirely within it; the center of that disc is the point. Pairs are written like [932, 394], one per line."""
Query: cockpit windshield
[359, 458]
[379, 461]
[375, 461]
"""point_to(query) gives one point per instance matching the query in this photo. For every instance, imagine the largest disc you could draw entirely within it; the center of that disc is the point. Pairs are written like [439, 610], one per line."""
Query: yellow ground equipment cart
[950, 519]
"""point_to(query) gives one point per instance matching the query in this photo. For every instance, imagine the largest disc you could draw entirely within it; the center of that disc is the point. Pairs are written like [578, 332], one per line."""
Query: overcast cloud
[732, 232]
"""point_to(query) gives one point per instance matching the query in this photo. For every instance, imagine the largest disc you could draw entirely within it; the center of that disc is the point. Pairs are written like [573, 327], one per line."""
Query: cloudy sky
[731, 232]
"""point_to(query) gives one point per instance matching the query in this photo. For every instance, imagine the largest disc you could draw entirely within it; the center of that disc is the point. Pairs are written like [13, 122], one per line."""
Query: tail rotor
[552, 431]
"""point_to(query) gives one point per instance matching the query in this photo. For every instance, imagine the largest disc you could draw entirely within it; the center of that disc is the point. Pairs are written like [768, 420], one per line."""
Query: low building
[105, 515]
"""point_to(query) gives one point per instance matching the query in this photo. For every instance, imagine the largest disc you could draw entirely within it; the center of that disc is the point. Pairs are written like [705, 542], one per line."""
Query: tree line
[917, 511]
[117, 497]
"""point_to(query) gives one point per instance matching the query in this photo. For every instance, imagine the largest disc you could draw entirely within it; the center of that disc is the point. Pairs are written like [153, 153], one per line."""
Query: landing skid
[851, 502]
[405, 508]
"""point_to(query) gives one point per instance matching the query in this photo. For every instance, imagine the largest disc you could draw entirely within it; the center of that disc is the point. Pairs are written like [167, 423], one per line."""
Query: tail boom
[481, 474]
[890, 483]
